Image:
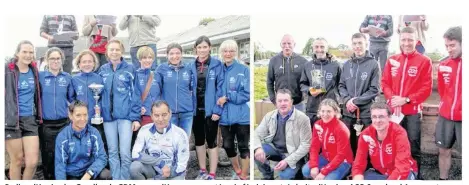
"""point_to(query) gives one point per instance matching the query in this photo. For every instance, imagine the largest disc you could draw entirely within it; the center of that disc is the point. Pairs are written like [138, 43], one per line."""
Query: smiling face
[287, 44]
[327, 113]
[380, 119]
[87, 63]
[454, 48]
[25, 54]
[320, 48]
[359, 46]
[79, 117]
[114, 52]
[284, 103]
[203, 50]
[161, 116]
[407, 42]
[174, 56]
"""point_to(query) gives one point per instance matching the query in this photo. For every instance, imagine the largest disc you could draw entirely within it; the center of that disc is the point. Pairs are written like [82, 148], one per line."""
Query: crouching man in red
[388, 147]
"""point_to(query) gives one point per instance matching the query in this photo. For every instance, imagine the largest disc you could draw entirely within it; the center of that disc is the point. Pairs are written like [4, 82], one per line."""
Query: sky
[26, 27]
[336, 28]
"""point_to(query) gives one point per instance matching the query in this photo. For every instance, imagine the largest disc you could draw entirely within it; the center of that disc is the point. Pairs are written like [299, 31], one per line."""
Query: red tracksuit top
[391, 157]
[450, 88]
[333, 138]
[408, 75]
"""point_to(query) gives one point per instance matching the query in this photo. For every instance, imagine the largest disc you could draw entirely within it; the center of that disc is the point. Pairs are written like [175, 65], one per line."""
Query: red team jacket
[408, 75]
[333, 138]
[391, 157]
[449, 88]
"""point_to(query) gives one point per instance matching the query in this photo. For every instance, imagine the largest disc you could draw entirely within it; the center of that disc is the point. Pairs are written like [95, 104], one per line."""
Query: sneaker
[234, 176]
[201, 176]
[208, 177]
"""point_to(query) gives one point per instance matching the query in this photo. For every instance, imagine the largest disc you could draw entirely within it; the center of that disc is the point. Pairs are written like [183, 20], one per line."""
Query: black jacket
[285, 74]
[360, 79]
[11, 95]
[330, 70]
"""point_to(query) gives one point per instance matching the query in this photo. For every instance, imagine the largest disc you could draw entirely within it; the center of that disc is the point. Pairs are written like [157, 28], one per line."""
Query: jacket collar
[166, 130]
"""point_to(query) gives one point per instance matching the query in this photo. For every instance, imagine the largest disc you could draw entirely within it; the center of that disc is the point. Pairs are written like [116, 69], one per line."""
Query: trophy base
[96, 121]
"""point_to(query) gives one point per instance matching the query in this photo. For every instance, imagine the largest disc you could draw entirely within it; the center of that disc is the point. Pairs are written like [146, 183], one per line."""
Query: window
[244, 49]
[214, 51]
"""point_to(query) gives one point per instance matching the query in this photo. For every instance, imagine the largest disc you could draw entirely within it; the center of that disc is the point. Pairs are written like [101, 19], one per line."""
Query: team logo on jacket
[295, 66]
[412, 71]
[371, 143]
[47, 82]
[62, 82]
[388, 149]
[71, 147]
[88, 144]
[394, 66]
[23, 85]
[446, 77]
[79, 90]
[331, 139]
[364, 76]
[121, 77]
[329, 76]
[211, 75]
[169, 74]
[320, 130]
[446, 69]
[31, 80]
[141, 82]
[185, 75]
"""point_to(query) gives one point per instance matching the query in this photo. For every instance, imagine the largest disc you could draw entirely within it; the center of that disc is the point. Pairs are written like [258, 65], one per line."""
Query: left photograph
[127, 97]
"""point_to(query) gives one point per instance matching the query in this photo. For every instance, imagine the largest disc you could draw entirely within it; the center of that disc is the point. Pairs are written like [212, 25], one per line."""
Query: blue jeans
[338, 174]
[300, 106]
[136, 62]
[420, 48]
[119, 138]
[184, 121]
[272, 154]
[373, 175]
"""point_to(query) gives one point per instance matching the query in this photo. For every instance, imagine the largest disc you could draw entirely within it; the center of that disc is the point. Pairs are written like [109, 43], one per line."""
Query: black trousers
[349, 121]
[411, 123]
[48, 132]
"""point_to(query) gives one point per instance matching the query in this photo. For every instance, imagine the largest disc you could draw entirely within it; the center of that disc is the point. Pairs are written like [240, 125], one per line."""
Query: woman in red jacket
[332, 136]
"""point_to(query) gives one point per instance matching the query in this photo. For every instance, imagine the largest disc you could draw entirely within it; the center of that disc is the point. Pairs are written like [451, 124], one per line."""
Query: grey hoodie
[141, 29]
[330, 70]
[285, 73]
[360, 79]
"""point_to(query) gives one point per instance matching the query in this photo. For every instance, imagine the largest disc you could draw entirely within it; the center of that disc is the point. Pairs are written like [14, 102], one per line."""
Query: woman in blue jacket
[119, 120]
[56, 93]
[177, 81]
[87, 62]
[234, 121]
[208, 89]
[147, 89]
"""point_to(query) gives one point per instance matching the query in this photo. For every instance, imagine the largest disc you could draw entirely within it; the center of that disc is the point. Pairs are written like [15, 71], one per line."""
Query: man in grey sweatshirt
[379, 44]
[358, 87]
[285, 72]
[141, 33]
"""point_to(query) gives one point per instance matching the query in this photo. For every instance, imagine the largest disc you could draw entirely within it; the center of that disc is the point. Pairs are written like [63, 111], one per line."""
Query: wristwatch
[90, 172]
[407, 100]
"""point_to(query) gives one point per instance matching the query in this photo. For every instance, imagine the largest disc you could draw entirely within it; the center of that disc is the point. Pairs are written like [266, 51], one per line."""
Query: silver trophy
[96, 88]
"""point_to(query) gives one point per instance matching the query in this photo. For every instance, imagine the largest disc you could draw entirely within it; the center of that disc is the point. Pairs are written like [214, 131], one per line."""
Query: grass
[260, 80]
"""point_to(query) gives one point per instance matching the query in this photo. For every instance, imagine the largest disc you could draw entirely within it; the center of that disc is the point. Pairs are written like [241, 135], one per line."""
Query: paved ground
[429, 168]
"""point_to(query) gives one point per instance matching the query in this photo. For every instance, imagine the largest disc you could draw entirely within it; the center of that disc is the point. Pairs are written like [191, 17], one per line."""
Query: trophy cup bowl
[96, 89]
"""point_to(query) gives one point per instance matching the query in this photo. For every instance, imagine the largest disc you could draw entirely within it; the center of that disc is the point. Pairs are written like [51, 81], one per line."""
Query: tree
[436, 55]
[308, 49]
[205, 21]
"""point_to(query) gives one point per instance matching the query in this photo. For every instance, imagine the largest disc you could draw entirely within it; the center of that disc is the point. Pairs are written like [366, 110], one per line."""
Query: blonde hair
[117, 42]
[331, 103]
[87, 52]
[226, 45]
[145, 51]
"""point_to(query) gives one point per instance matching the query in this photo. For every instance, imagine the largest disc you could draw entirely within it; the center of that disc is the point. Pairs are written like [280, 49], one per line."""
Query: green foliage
[260, 86]
[206, 20]
[308, 49]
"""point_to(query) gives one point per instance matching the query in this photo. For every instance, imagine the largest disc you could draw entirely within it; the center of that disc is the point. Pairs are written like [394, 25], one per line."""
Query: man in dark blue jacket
[79, 149]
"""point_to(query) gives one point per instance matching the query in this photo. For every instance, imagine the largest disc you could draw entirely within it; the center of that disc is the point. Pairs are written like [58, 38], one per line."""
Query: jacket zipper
[356, 78]
[456, 91]
[325, 139]
[177, 89]
[403, 76]
[55, 107]
[381, 154]
[17, 99]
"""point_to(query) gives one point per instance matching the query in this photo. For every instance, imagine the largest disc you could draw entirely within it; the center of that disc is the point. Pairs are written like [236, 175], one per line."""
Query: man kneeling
[79, 149]
[161, 150]
[388, 147]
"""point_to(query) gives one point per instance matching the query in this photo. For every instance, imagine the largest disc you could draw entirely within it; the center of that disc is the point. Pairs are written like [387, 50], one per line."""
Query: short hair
[114, 40]
[145, 51]
[159, 103]
[87, 52]
[408, 29]
[201, 39]
[320, 39]
[228, 44]
[331, 103]
[173, 45]
[284, 91]
[454, 33]
[75, 104]
[359, 35]
[18, 47]
[381, 106]
[49, 52]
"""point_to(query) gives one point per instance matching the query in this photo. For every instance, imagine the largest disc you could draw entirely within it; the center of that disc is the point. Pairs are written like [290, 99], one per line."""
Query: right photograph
[357, 97]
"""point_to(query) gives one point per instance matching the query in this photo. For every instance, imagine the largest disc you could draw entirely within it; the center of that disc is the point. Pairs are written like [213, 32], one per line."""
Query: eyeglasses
[54, 59]
[229, 51]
